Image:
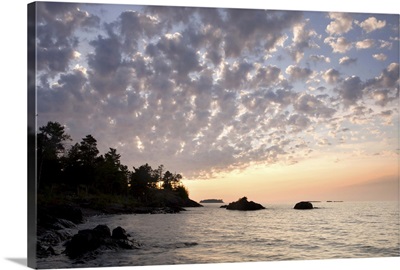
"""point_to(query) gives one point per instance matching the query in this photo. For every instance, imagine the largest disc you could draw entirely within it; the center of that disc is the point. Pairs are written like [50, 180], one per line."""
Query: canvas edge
[31, 137]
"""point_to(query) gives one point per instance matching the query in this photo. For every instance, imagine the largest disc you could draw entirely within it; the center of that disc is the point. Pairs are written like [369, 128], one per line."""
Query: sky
[273, 105]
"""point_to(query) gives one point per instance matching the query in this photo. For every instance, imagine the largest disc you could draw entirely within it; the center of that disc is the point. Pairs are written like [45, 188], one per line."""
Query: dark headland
[77, 182]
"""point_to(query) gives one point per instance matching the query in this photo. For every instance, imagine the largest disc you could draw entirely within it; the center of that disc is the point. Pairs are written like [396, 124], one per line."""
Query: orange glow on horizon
[314, 179]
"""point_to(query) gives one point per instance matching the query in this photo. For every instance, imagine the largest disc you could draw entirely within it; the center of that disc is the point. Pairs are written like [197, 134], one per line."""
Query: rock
[303, 206]
[223, 206]
[82, 242]
[58, 216]
[51, 251]
[102, 231]
[63, 223]
[42, 252]
[119, 233]
[98, 238]
[172, 209]
[244, 205]
[68, 212]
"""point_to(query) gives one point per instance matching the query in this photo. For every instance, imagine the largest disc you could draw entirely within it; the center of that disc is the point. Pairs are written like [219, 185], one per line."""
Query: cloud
[298, 122]
[372, 24]
[379, 57]
[319, 58]
[365, 44]
[56, 26]
[302, 39]
[339, 45]
[351, 90]
[267, 76]
[388, 78]
[341, 23]
[67, 96]
[347, 60]
[323, 142]
[192, 88]
[384, 88]
[383, 96]
[312, 106]
[134, 25]
[385, 44]
[297, 73]
[331, 76]
[177, 51]
[106, 57]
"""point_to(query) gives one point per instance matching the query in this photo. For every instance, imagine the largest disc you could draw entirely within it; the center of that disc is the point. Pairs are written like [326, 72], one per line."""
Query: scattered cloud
[331, 76]
[56, 24]
[385, 44]
[297, 73]
[379, 56]
[351, 90]
[372, 24]
[204, 91]
[302, 39]
[341, 23]
[319, 58]
[365, 44]
[347, 60]
[338, 45]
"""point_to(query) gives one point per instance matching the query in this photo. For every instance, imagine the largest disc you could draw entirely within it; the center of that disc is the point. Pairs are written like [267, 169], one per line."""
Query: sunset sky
[272, 105]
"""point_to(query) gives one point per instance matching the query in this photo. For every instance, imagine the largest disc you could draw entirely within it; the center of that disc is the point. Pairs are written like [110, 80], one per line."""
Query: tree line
[82, 169]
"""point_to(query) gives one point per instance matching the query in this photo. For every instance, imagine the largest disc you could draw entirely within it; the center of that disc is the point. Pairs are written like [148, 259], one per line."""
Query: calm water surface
[214, 235]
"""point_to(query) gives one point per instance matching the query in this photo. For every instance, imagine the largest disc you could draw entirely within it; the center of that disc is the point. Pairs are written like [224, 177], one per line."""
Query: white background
[13, 64]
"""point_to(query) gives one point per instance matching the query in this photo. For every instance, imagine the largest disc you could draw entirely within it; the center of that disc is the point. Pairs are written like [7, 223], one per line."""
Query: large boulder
[303, 206]
[243, 205]
[98, 238]
[119, 233]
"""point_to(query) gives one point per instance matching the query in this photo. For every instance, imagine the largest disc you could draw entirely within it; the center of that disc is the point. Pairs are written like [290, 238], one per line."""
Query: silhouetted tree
[50, 148]
[142, 180]
[160, 174]
[82, 168]
[73, 167]
[81, 164]
[171, 181]
[112, 176]
[88, 154]
[182, 192]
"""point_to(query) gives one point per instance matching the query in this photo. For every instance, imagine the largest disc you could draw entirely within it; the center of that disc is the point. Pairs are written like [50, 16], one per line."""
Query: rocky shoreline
[56, 223]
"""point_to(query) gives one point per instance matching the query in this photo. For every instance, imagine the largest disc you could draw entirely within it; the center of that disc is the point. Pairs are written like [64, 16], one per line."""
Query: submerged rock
[303, 206]
[243, 205]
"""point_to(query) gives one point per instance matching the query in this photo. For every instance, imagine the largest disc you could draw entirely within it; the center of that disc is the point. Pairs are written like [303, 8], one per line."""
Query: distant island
[212, 201]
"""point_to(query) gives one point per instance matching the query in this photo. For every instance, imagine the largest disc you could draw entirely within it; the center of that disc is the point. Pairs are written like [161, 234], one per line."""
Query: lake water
[214, 235]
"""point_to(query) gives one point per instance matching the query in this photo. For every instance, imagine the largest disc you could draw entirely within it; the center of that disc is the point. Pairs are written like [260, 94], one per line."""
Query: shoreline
[55, 220]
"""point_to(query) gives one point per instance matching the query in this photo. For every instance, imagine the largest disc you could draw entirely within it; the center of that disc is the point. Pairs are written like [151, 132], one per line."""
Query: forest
[79, 170]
